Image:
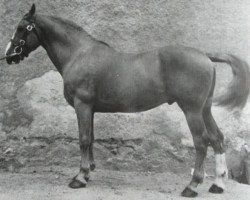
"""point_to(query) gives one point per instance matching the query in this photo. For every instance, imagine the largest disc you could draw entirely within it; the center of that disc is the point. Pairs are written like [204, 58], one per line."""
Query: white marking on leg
[219, 182]
[205, 174]
[80, 177]
[221, 170]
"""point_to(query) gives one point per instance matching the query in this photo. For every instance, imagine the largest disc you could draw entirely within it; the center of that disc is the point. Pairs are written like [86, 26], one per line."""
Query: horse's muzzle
[15, 58]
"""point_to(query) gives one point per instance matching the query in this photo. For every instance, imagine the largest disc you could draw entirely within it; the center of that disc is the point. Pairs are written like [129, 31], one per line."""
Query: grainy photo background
[147, 154]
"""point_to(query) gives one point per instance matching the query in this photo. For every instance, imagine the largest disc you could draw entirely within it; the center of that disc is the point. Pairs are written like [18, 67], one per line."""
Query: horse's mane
[69, 24]
[73, 26]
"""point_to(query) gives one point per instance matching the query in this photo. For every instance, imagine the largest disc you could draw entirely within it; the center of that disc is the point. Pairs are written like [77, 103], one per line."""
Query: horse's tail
[238, 90]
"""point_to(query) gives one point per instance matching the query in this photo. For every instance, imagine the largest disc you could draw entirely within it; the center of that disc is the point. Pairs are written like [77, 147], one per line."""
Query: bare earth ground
[108, 185]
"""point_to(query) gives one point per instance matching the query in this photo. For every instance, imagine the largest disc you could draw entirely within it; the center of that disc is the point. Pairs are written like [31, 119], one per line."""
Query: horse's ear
[32, 10]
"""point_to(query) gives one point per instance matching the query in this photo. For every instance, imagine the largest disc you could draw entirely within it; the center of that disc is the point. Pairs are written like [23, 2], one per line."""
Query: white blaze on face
[9, 44]
[221, 169]
[7, 48]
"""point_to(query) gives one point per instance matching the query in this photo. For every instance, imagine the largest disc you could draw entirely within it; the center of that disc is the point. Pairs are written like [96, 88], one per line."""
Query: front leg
[91, 153]
[84, 115]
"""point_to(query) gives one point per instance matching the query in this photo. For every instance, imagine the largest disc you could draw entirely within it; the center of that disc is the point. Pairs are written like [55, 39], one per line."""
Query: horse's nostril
[9, 61]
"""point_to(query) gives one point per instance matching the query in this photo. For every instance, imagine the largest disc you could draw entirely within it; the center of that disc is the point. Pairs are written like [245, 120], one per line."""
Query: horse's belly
[132, 101]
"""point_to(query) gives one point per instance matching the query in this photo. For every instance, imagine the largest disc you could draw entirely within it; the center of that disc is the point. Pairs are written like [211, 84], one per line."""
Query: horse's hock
[40, 128]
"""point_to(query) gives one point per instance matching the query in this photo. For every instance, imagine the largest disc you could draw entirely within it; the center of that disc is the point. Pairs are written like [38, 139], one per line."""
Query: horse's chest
[78, 82]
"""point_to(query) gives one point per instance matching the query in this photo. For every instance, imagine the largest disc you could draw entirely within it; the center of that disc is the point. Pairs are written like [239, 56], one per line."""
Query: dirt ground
[108, 185]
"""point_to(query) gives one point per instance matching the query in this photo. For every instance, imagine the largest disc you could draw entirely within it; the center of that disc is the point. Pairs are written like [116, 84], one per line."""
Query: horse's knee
[201, 147]
[85, 142]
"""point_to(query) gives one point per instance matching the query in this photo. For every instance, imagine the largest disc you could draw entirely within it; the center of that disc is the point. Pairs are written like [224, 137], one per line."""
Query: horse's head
[24, 40]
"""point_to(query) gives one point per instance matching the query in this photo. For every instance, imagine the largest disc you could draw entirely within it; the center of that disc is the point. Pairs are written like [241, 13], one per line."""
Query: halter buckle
[22, 42]
[29, 27]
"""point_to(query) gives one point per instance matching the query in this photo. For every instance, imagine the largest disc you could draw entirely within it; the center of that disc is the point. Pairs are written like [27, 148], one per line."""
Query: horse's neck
[61, 43]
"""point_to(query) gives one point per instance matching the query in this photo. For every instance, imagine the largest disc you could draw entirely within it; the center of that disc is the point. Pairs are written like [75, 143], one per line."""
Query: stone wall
[38, 128]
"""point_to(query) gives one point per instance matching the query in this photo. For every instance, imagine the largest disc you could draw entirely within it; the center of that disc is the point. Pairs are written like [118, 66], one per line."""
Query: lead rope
[4, 57]
[14, 54]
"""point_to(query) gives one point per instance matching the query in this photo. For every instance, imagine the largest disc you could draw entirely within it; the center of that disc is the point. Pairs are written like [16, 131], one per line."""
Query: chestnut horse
[97, 78]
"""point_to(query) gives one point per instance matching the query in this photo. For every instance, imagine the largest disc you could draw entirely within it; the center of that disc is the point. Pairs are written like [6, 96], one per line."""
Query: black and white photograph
[124, 99]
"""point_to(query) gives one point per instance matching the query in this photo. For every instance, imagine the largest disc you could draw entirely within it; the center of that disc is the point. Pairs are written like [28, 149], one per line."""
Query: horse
[98, 78]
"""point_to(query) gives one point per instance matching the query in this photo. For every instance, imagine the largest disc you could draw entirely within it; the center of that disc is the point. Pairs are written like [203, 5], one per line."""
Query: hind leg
[216, 140]
[199, 133]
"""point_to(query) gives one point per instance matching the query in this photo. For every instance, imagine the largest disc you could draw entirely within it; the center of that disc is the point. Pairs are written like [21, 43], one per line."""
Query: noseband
[19, 45]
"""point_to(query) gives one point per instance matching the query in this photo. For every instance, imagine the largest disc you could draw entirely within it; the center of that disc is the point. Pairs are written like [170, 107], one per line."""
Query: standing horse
[97, 78]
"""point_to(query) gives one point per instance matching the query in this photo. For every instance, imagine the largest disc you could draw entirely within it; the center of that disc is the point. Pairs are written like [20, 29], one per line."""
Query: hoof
[92, 166]
[76, 184]
[188, 192]
[216, 189]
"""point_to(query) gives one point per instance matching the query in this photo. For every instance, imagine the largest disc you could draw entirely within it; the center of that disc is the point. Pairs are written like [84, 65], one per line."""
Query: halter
[19, 45]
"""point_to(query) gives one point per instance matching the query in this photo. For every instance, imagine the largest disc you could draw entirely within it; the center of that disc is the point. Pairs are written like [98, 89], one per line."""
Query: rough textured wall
[38, 128]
